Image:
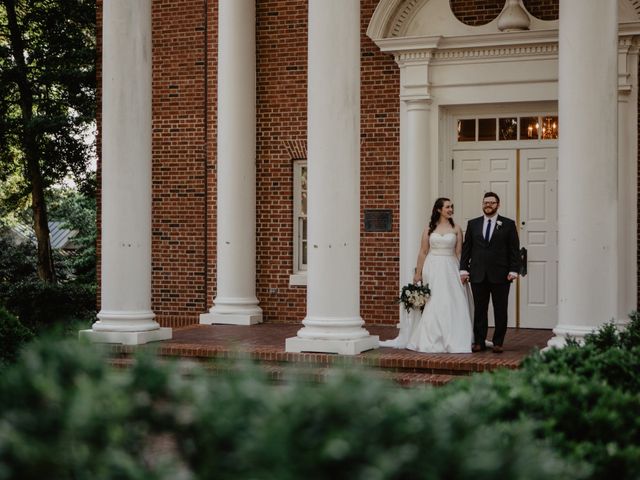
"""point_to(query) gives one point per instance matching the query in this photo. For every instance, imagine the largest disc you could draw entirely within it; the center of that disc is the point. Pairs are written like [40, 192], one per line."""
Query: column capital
[414, 78]
[628, 47]
[417, 102]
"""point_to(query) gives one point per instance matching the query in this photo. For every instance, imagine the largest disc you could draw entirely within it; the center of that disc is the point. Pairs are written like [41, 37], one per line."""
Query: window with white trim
[299, 216]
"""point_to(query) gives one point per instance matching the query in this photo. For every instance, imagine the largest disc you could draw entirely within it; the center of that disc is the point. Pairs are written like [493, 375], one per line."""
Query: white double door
[527, 182]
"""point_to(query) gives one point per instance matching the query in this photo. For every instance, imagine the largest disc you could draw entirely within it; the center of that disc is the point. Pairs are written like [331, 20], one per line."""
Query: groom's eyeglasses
[489, 203]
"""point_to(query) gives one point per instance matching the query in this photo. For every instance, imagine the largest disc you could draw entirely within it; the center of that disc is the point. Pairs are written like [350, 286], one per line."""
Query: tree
[77, 210]
[47, 101]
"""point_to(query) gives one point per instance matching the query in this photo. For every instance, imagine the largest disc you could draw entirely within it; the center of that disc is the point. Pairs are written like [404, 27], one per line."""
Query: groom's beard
[490, 211]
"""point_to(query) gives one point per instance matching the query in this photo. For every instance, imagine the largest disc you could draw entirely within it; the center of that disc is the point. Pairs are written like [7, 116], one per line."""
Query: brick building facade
[184, 163]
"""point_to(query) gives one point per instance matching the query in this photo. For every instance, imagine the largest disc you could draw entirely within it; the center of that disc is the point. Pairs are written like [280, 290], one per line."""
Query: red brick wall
[380, 176]
[476, 12]
[543, 9]
[179, 229]
[282, 101]
[480, 12]
[281, 50]
[98, 144]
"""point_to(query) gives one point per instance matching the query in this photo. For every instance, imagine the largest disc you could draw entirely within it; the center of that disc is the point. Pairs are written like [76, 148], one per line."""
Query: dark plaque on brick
[377, 220]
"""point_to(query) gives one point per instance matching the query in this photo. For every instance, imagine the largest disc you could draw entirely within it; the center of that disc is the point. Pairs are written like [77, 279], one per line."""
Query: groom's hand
[512, 276]
[464, 278]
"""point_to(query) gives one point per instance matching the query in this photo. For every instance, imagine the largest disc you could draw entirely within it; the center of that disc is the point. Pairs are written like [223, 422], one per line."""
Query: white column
[588, 168]
[333, 323]
[415, 195]
[627, 178]
[126, 315]
[236, 301]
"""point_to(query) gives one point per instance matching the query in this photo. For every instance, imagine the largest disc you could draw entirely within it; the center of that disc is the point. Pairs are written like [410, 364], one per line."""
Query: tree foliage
[47, 101]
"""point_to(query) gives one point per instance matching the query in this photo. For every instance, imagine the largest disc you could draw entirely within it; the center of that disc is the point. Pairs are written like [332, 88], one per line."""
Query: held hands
[464, 278]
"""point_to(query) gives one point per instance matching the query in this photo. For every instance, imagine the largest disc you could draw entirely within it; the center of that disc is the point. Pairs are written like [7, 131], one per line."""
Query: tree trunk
[46, 271]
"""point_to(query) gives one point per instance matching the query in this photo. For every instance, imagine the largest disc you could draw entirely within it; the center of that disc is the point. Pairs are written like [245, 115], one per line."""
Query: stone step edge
[281, 373]
[387, 361]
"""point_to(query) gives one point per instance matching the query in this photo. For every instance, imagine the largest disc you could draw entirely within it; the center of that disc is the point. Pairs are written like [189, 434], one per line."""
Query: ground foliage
[13, 336]
[568, 413]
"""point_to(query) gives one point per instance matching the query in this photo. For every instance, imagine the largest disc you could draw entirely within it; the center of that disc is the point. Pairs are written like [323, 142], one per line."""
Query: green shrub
[568, 413]
[13, 335]
[65, 415]
[40, 305]
[17, 262]
[583, 399]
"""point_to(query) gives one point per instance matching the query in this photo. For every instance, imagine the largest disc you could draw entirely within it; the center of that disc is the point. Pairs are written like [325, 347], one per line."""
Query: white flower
[498, 223]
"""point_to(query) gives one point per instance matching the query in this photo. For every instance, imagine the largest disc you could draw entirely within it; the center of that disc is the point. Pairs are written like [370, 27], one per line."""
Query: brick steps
[435, 369]
[218, 347]
[280, 373]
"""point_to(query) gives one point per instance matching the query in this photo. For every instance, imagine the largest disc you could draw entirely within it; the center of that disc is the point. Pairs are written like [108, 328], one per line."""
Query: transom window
[497, 129]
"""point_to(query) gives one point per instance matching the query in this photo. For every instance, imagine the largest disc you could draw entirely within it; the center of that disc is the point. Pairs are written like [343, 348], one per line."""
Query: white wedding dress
[445, 325]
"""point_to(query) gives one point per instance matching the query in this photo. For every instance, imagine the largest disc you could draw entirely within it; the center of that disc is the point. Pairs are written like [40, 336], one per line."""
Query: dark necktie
[487, 232]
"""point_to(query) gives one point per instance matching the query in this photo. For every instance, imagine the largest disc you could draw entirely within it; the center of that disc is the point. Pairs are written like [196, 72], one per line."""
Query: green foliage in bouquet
[414, 296]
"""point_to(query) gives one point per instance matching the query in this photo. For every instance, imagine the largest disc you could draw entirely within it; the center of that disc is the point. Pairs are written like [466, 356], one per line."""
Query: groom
[490, 260]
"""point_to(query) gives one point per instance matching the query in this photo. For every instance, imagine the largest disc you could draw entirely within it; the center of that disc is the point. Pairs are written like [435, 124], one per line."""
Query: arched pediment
[434, 18]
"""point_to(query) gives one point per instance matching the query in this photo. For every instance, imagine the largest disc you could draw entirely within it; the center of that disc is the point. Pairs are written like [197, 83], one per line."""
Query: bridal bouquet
[414, 295]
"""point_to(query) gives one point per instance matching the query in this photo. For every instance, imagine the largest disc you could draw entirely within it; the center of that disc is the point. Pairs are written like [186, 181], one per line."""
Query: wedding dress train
[445, 324]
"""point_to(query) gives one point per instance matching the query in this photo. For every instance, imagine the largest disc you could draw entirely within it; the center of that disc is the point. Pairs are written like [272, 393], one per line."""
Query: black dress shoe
[497, 349]
[476, 347]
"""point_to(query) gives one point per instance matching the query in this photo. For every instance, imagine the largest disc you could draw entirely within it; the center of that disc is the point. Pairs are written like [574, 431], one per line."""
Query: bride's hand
[417, 278]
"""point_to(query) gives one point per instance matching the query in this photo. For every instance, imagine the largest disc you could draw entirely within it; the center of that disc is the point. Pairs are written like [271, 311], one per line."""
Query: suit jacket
[494, 259]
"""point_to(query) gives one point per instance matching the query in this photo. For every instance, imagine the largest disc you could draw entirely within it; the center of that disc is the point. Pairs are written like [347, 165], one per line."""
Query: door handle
[523, 262]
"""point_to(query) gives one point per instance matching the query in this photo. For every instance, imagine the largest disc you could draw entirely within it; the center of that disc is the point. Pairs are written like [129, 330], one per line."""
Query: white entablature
[434, 18]
[425, 34]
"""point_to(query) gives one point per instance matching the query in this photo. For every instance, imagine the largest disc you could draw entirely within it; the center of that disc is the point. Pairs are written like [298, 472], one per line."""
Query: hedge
[569, 413]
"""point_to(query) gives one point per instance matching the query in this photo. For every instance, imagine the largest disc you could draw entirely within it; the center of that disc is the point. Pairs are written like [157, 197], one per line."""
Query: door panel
[479, 171]
[476, 172]
[539, 234]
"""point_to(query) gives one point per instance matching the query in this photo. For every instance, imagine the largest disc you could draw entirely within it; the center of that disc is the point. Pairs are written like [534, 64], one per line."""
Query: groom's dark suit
[489, 264]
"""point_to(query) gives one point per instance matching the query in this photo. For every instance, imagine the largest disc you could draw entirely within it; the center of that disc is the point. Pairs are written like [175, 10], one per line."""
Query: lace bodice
[442, 244]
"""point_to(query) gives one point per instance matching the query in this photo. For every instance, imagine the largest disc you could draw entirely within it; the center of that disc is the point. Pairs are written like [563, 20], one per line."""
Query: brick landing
[265, 343]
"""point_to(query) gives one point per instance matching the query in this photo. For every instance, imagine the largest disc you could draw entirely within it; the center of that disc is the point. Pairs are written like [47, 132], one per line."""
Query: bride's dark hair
[435, 214]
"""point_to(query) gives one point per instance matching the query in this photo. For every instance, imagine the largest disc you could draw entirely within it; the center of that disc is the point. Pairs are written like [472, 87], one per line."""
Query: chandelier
[549, 128]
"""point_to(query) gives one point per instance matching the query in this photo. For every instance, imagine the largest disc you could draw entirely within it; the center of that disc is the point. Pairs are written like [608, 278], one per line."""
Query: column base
[576, 332]
[127, 338]
[230, 319]
[342, 347]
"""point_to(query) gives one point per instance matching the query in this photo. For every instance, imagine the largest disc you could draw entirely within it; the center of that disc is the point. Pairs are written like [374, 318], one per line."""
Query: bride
[445, 323]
